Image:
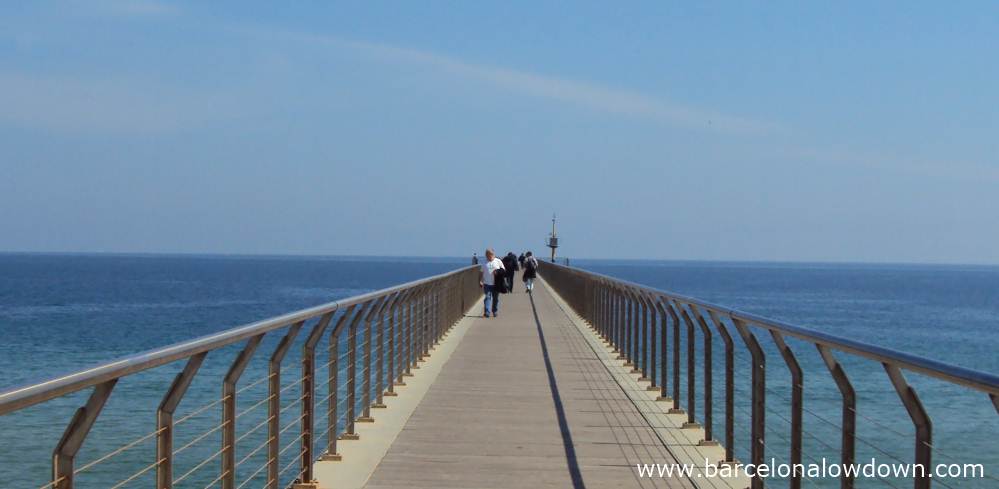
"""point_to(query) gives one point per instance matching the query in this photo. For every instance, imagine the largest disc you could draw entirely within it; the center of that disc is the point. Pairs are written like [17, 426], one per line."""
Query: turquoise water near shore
[64, 312]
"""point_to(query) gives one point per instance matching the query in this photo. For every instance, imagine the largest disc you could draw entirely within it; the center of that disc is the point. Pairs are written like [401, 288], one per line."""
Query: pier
[531, 398]
[575, 385]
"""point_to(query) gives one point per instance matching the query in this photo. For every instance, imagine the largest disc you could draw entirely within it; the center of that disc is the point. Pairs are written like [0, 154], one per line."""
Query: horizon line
[439, 257]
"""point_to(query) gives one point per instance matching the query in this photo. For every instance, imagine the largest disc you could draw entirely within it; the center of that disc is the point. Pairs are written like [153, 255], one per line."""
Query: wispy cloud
[565, 90]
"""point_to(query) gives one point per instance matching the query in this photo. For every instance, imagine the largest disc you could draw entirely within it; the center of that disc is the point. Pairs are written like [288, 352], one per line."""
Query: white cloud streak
[67, 103]
[579, 93]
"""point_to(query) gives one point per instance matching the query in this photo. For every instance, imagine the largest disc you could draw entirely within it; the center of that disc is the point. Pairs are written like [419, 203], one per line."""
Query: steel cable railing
[201, 464]
[384, 335]
[632, 318]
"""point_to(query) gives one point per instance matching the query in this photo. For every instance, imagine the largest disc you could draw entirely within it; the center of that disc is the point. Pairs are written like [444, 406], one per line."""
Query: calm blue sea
[64, 312]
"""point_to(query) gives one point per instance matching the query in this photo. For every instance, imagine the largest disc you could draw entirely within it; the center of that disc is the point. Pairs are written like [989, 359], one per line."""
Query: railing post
[663, 348]
[691, 368]
[653, 343]
[380, 371]
[274, 404]
[591, 301]
[921, 422]
[609, 316]
[797, 403]
[366, 383]
[410, 350]
[708, 377]
[626, 327]
[435, 315]
[849, 412]
[463, 294]
[309, 396]
[164, 420]
[604, 321]
[394, 311]
[621, 341]
[633, 324]
[729, 386]
[441, 313]
[349, 431]
[758, 435]
[598, 317]
[676, 359]
[403, 346]
[644, 355]
[426, 322]
[333, 385]
[455, 301]
[228, 470]
[72, 439]
[430, 328]
[419, 315]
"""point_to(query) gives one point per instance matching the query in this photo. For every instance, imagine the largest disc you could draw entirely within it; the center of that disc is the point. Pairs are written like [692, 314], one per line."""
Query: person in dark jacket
[530, 271]
[521, 260]
[510, 263]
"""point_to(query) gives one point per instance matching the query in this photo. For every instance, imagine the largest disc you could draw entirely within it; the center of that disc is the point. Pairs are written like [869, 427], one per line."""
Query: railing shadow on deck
[563, 424]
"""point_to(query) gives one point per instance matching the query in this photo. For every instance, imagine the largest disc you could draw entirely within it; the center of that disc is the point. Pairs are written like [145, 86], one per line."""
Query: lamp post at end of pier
[553, 239]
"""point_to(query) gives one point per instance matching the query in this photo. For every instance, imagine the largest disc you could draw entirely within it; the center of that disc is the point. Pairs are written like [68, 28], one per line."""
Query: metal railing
[399, 326]
[636, 319]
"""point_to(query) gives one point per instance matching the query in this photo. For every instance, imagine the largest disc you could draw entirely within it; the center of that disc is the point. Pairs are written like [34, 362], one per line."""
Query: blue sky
[850, 131]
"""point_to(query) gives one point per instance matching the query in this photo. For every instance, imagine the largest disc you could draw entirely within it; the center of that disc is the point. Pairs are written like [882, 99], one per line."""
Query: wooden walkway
[526, 400]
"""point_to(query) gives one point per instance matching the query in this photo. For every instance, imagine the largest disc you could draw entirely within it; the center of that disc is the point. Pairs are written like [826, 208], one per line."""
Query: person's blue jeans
[491, 301]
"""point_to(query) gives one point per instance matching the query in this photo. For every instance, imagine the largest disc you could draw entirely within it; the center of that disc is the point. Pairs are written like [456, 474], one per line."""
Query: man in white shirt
[487, 280]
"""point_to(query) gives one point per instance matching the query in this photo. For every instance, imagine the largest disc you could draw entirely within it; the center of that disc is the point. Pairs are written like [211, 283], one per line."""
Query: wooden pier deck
[531, 398]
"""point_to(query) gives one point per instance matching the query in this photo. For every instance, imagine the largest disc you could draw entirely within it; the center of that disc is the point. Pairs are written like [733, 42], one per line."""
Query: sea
[65, 312]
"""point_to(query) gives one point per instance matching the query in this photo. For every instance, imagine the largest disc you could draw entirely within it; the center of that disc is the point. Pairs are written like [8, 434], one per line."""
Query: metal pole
[164, 420]
[228, 470]
[72, 439]
[921, 422]
[729, 386]
[308, 425]
[274, 404]
[797, 403]
[757, 442]
[708, 377]
[849, 412]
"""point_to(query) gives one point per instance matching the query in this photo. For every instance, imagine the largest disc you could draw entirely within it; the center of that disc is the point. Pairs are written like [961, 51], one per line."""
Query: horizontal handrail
[34, 393]
[975, 379]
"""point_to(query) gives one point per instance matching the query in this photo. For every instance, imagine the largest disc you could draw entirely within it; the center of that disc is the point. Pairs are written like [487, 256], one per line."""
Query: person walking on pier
[487, 280]
[530, 271]
[475, 259]
[510, 263]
